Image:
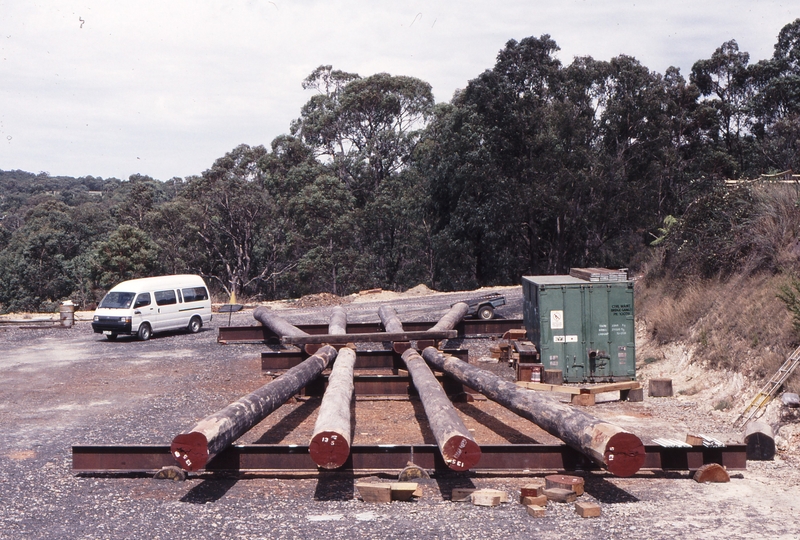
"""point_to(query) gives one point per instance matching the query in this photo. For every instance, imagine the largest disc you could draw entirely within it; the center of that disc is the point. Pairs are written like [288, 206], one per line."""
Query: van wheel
[195, 325]
[144, 332]
[112, 337]
[486, 312]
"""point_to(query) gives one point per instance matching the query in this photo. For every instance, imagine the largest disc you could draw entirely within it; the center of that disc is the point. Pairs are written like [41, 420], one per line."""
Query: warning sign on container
[556, 319]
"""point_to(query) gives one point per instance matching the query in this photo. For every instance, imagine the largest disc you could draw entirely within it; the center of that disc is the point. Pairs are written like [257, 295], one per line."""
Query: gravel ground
[64, 387]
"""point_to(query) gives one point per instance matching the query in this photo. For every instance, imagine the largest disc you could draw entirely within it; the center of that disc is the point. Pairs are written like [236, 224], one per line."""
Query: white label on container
[572, 339]
[559, 339]
[556, 319]
[554, 361]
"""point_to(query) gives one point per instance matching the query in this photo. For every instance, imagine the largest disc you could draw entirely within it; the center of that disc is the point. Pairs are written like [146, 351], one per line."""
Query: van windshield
[117, 300]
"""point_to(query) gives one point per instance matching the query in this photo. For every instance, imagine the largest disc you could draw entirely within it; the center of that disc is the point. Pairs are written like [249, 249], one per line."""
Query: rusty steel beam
[620, 451]
[378, 359]
[532, 458]
[341, 339]
[467, 328]
[193, 449]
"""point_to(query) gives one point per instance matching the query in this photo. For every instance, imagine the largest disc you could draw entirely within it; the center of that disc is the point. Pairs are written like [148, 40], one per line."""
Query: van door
[143, 310]
[168, 316]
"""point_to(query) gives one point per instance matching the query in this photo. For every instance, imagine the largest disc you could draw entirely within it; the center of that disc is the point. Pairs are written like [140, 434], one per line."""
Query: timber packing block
[587, 509]
[462, 494]
[553, 376]
[540, 500]
[560, 495]
[375, 492]
[660, 388]
[532, 489]
[584, 400]
[565, 481]
[712, 472]
[488, 497]
[634, 395]
[403, 491]
[536, 511]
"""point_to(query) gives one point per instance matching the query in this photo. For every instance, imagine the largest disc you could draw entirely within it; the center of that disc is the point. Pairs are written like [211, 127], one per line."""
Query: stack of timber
[599, 274]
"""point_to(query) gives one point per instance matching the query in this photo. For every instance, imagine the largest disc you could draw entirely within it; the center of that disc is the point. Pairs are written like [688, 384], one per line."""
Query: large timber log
[391, 322]
[620, 451]
[450, 319]
[215, 432]
[330, 441]
[458, 448]
[276, 323]
[338, 322]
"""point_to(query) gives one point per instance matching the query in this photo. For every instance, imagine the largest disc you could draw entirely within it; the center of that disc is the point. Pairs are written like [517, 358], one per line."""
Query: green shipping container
[583, 328]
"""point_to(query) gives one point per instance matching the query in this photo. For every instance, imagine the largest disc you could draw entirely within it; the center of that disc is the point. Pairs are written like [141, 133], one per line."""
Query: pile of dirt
[321, 300]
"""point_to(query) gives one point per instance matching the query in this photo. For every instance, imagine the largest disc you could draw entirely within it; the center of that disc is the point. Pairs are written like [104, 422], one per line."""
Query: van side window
[165, 298]
[180, 299]
[142, 300]
[195, 294]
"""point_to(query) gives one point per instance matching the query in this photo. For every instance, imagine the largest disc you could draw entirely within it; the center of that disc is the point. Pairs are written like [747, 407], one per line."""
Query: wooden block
[660, 388]
[515, 333]
[461, 494]
[375, 492]
[712, 472]
[565, 481]
[533, 488]
[540, 500]
[694, 440]
[403, 491]
[560, 495]
[486, 497]
[553, 376]
[584, 400]
[536, 511]
[587, 509]
[634, 395]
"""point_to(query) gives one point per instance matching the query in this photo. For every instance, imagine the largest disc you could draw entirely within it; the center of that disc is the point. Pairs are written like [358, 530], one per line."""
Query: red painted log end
[329, 449]
[461, 453]
[624, 454]
[190, 450]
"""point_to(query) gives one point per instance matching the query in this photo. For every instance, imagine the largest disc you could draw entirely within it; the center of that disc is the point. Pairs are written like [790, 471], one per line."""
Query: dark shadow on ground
[606, 492]
[209, 490]
[275, 434]
[336, 485]
[509, 433]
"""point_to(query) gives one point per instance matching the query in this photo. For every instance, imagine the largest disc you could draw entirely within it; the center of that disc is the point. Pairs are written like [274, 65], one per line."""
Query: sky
[163, 88]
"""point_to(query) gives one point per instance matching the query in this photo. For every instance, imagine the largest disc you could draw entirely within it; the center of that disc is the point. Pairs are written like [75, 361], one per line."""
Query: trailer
[482, 307]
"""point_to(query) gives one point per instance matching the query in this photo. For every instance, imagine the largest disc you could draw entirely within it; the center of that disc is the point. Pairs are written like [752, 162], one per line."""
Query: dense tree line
[533, 167]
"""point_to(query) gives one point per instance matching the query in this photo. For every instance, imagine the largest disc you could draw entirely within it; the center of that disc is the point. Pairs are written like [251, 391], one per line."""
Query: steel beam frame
[273, 458]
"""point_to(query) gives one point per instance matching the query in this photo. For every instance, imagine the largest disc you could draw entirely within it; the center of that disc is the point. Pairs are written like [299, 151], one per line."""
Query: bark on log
[330, 441]
[195, 448]
[391, 322]
[452, 317]
[276, 323]
[621, 452]
[458, 448]
[338, 322]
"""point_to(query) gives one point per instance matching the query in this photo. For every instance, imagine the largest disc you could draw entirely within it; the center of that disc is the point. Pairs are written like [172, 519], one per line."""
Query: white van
[142, 306]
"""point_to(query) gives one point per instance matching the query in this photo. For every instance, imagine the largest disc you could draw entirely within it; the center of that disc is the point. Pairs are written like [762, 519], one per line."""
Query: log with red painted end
[458, 448]
[211, 435]
[621, 452]
[330, 441]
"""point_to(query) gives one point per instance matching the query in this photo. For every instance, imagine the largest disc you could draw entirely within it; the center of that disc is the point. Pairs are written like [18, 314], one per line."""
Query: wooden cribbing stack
[459, 450]
[619, 451]
[194, 449]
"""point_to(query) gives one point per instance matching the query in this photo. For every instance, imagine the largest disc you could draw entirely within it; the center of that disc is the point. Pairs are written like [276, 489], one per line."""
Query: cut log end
[329, 449]
[461, 453]
[624, 454]
[190, 450]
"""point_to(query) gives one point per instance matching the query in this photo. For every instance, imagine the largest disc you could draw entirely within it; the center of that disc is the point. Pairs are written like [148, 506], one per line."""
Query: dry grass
[738, 325]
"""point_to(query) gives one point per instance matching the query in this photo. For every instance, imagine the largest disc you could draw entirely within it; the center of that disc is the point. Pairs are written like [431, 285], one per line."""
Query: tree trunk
[338, 321]
[216, 432]
[330, 441]
[276, 323]
[452, 317]
[621, 452]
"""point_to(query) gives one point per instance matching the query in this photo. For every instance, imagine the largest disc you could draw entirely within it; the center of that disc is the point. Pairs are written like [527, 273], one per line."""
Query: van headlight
[125, 320]
[96, 319]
